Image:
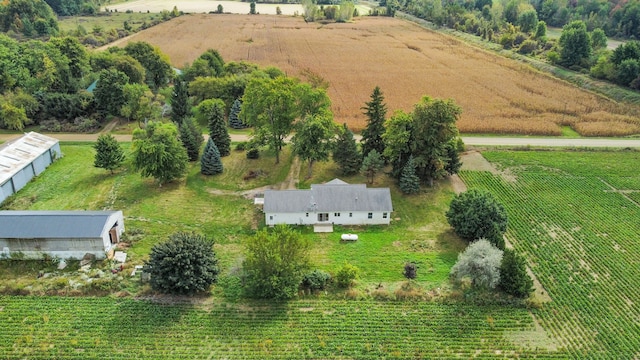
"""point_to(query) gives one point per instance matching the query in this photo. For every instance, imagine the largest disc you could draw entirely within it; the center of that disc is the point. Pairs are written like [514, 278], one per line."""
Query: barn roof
[53, 224]
[18, 153]
[334, 196]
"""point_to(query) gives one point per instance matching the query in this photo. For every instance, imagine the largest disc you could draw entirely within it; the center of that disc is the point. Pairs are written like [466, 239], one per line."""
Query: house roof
[53, 224]
[334, 196]
[18, 153]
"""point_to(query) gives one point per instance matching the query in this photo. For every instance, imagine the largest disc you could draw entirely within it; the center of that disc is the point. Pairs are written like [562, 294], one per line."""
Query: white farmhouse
[65, 234]
[335, 202]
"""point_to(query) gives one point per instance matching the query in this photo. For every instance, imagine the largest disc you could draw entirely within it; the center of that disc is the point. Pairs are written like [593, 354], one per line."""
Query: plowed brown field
[497, 95]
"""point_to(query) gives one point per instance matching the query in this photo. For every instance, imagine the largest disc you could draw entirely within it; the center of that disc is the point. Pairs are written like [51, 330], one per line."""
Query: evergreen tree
[210, 164]
[191, 138]
[409, 181]
[376, 111]
[345, 152]
[234, 116]
[180, 108]
[109, 154]
[371, 164]
[185, 264]
[217, 128]
[514, 279]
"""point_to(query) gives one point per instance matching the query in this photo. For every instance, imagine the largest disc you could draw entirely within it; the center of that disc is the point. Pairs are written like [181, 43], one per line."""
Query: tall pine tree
[213, 111]
[234, 116]
[345, 152]
[409, 181]
[191, 138]
[376, 111]
[210, 164]
[180, 108]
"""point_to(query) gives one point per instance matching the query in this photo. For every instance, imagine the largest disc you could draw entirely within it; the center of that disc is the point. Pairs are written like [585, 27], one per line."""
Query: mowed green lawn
[576, 217]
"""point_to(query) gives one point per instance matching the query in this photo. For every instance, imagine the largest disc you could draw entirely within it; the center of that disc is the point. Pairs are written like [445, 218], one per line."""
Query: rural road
[468, 140]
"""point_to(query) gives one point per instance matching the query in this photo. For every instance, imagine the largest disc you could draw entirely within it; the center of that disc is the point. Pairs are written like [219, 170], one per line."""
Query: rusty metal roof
[18, 153]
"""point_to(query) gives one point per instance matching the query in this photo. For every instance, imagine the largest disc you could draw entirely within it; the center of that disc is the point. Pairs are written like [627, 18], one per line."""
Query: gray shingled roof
[335, 196]
[52, 224]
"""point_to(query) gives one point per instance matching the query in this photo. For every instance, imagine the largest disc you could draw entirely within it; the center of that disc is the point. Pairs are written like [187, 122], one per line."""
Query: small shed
[23, 158]
[65, 234]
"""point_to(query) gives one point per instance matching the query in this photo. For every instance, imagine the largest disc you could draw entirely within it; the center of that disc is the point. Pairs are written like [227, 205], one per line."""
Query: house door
[323, 217]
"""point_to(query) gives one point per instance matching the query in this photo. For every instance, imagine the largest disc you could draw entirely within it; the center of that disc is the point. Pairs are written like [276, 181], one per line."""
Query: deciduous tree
[109, 93]
[109, 154]
[158, 153]
[270, 106]
[433, 128]
[476, 214]
[480, 263]
[157, 65]
[185, 264]
[313, 139]
[275, 263]
[575, 44]
[138, 105]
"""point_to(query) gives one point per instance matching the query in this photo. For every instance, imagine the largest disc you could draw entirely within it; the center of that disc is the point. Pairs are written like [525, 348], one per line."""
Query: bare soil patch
[496, 94]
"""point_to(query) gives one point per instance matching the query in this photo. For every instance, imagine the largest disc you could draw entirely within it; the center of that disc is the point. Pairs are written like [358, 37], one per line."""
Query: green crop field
[576, 217]
[92, 328]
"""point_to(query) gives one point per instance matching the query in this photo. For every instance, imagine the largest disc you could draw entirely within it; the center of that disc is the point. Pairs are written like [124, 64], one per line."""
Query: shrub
[316, 280]
[347, 275]
[241, 146]
[275, 263]
[253, 153]
[477, 214]
[410, 271]
[185, 264]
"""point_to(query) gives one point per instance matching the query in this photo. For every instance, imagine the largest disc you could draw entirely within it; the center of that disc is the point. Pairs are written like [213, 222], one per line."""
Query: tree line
[521, 26]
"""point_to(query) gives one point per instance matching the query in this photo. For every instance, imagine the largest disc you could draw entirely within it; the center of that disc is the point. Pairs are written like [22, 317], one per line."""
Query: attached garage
[24, 158]
[65, 234]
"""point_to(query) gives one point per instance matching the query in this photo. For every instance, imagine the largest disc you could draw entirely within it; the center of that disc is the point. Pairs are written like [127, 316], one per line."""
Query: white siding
[356, 218]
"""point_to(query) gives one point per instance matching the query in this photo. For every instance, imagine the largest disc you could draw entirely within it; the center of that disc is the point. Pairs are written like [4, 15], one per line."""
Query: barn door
[113, 234]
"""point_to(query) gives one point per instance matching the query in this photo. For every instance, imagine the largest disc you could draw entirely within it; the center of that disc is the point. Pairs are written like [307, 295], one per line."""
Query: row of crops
[85, 328]
[581, 239]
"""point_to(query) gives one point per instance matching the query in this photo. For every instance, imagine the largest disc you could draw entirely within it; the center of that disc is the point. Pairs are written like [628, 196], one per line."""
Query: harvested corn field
[497, 95]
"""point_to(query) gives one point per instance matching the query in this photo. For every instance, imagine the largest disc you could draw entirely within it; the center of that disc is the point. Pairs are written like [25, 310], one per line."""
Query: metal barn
[23, 158]
[65, 234]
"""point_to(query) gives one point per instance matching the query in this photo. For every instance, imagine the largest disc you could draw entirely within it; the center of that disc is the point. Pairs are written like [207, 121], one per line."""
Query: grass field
[497, 95]
[574, 215]
[221, 207]
[105, 21]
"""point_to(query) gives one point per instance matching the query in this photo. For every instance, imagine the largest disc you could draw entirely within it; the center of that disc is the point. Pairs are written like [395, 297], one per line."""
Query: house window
[384, 215]
[307, 214]
[336, 214]
[323, 216]
[370, 216]
[350, 214]
[271, 217]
